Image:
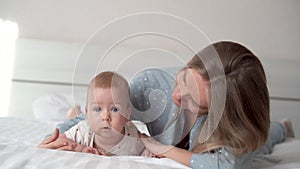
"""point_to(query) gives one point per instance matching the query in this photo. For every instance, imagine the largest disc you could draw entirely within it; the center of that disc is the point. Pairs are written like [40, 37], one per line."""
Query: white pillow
[54, 107]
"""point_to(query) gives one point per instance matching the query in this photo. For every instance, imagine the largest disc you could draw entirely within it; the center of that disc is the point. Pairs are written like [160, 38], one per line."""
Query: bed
[44, 93]
[20, 136]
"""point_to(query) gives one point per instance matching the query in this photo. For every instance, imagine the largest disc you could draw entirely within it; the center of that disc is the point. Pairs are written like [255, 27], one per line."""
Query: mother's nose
[177, 96]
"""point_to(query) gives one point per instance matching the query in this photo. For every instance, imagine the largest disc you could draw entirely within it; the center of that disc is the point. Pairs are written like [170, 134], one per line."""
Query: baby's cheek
[118, 125]
[94, 122]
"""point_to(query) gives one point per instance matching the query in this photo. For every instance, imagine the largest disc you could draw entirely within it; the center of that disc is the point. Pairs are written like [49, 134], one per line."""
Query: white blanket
[19, 137]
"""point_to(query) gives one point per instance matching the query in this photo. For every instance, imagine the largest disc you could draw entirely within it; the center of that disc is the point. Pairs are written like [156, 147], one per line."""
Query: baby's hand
[147, 153]
[91, 150]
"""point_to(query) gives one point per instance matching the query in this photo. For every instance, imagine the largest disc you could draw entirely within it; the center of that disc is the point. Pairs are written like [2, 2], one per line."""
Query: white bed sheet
[19, 137]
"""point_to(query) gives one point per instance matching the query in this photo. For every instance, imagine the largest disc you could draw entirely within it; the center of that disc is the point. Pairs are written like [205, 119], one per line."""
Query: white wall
[270, 27]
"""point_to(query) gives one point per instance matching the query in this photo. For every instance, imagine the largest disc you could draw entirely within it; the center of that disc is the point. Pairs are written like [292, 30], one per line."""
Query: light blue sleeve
[225, 159]
[277, 134]
[221, 159]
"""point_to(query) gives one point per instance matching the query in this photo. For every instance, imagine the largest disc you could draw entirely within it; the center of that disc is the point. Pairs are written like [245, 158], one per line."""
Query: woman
[244, 112]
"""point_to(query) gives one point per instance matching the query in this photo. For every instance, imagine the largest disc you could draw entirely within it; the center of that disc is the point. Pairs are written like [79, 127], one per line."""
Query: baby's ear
[128, 113]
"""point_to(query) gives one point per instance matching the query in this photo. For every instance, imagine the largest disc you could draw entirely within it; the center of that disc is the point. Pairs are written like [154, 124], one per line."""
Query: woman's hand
[59, 142]
[180, 155]
[154, 146]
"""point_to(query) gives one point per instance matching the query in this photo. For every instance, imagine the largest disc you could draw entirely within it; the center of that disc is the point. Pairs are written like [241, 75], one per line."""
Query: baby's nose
[105, 116]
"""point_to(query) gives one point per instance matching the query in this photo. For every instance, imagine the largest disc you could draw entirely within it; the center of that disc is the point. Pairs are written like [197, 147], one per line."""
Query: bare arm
[180, 155]
[80, 147]
[56, 142]
[60, 142]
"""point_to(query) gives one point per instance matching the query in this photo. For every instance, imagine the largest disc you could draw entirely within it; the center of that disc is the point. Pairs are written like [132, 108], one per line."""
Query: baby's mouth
[106, 127]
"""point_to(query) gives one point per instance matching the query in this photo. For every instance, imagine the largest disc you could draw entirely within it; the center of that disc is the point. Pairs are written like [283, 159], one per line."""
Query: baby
[107, 130]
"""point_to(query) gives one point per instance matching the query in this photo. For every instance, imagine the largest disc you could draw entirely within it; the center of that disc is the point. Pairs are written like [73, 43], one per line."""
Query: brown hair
[108, 79]
[244, 122]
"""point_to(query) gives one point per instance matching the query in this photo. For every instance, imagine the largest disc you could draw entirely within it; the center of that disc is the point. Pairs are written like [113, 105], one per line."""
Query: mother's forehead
[188, 73]
[191, 78]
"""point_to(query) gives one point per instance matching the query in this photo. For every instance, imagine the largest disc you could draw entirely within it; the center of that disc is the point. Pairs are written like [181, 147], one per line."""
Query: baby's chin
[109, 132]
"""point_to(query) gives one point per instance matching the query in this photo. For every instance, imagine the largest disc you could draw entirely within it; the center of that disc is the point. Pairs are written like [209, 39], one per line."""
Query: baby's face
[107, 111]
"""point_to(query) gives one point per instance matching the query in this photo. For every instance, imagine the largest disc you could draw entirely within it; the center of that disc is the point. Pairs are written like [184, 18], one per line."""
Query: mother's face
[191, 92]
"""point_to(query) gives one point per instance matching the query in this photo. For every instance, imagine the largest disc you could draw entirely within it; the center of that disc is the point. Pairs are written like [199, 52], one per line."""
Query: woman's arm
[180, 155]
[61, 142]
[221, 158]
[55, 141]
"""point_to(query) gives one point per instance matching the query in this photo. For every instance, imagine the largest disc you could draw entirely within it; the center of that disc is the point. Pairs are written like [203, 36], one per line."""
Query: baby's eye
[114, 109]
[97, 109]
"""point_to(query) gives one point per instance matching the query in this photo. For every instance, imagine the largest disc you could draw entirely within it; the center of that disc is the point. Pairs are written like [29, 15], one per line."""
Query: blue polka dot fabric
[151, 98]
